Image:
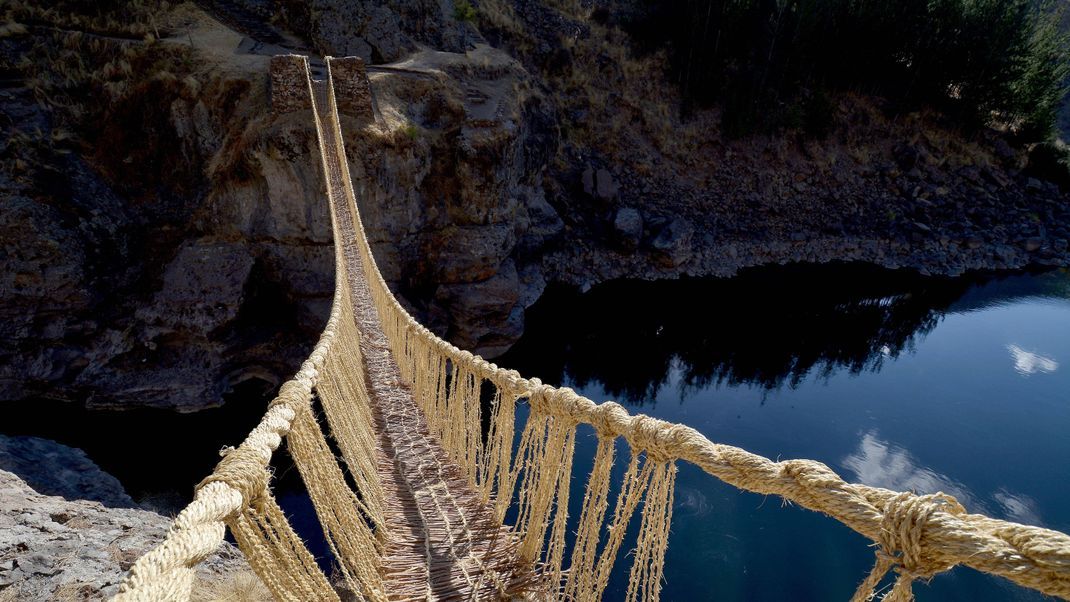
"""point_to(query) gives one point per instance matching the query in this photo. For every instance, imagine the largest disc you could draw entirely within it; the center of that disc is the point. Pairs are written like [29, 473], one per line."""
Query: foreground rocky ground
[175, 252]
[52, 548]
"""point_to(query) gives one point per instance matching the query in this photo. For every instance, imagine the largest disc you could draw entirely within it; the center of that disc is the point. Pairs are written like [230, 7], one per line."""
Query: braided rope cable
[1030, 556]
[166, 572]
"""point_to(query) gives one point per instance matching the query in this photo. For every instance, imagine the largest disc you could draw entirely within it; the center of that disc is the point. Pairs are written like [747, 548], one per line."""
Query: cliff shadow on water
[769, 327]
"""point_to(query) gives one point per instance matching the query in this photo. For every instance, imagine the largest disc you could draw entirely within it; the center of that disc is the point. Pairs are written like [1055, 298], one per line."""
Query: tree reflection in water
[767, 328]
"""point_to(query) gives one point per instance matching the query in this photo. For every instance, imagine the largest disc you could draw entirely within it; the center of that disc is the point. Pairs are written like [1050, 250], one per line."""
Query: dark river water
[894, 380]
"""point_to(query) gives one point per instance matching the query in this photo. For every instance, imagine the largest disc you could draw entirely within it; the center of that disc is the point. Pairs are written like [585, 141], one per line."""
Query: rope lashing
[901, 545]
[243, 470]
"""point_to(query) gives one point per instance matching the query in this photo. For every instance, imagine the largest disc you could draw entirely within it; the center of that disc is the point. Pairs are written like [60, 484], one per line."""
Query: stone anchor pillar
[289, 84]
[352, 90]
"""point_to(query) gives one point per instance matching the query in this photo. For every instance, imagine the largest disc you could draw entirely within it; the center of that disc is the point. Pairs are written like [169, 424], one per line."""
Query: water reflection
[767, 328]
[1027, 363]
[1018, 507]
[691, 501]
[879, 463]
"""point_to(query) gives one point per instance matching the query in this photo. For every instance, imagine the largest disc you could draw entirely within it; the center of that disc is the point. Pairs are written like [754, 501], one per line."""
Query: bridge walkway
[443, 542]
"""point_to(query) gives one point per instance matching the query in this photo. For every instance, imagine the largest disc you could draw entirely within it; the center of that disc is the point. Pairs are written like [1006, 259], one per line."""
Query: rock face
[487, 315]
[387, 32]
[452, 198]
[170, 287]
[54, 549]
[172, 291]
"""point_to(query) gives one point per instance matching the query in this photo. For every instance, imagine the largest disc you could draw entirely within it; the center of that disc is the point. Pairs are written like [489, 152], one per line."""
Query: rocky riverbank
[924, 207]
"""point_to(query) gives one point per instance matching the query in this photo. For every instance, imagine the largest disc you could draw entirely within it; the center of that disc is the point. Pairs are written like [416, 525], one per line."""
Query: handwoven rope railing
[527, 482]
[238, 487]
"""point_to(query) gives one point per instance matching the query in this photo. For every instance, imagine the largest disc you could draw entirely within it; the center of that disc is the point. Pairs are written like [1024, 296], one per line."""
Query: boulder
[628, 227]
[605, 187]
[672, 245]
[587, 181]
[384, 35]
[599, 184]
[468, 253]
[55, 549]
[202, 286]
[485, 317]
[388, 31]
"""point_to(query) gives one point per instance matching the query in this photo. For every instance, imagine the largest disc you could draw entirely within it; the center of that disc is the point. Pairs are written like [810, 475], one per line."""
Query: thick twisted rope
[166, 572]
[1030, 556]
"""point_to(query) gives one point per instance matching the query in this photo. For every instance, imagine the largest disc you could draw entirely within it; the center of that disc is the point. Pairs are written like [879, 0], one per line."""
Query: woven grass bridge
[453, 475]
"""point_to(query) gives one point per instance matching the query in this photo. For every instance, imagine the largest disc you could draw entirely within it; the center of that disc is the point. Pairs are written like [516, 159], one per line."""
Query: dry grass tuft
[12, 28]
[132, 19]
[82, 57]
[75, 592]
[236, 586]
[606, 76]
[500, 14]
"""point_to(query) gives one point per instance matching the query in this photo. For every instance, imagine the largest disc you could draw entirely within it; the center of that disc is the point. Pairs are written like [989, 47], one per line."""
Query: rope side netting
[453, 477]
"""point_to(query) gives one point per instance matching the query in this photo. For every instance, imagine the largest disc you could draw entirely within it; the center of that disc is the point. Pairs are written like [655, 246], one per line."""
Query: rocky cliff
[143, 257]
[167, 244]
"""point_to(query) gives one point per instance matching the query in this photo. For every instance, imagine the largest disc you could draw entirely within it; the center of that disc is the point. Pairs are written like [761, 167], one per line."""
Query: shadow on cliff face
[267, 320]
[767, 328]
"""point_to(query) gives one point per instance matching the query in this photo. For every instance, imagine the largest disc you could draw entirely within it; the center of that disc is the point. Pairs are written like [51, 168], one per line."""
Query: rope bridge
[442, 490]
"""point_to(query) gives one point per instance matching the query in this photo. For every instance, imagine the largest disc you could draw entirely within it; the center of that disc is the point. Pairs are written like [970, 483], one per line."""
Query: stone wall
[352, 90]
[289, 87]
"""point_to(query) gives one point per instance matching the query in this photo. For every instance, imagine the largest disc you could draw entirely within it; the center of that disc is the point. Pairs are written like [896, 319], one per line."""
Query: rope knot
[902, 530]
[650, 435]
[539, 399]
[901, 542]
[243, 470]
[512, 377]
[607, 416]
[569, 404]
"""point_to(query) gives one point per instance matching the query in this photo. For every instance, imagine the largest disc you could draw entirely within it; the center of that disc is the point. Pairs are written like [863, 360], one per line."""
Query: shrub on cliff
[1050, 161]
[765, 60]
